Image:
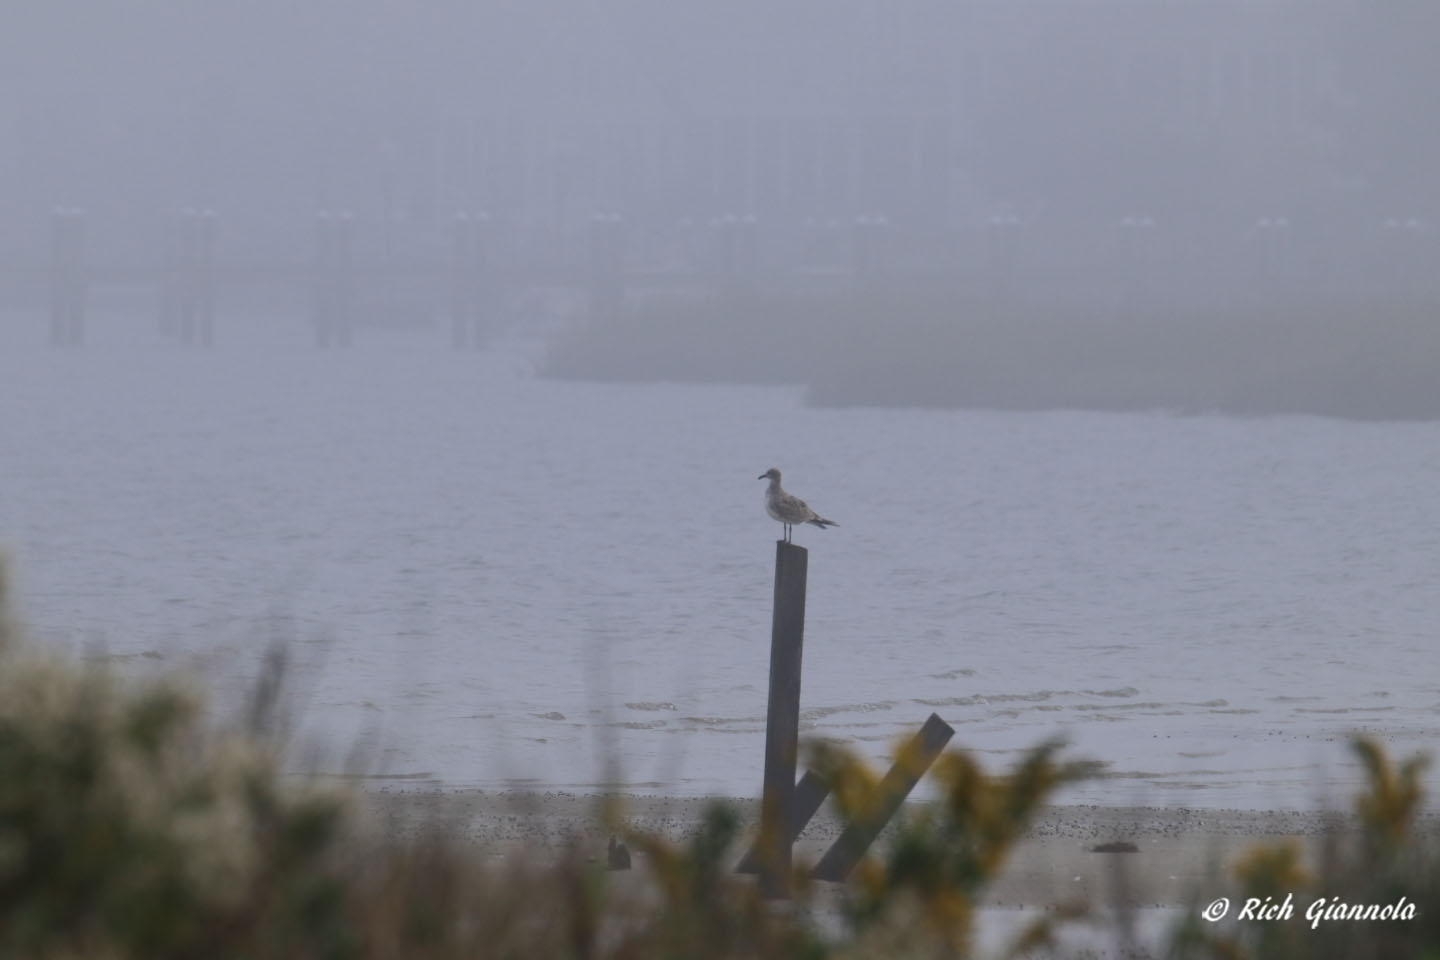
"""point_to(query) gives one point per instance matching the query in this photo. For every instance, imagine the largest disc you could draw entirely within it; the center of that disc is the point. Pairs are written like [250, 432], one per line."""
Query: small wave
[817, 713]
[124, 657]
[422, 775]
[951, 701]
[1115, 692]
[955, 674]
[639, 724]
[552, 715]
[720, 721]
[1122, 706]
[1039, 696]
[651, 705]
[745, 731]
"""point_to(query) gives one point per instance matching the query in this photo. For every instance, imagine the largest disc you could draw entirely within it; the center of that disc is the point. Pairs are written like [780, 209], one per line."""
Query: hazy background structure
[1211, 121]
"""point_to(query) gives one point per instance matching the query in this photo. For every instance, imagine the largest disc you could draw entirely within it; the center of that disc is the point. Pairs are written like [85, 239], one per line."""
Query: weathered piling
[67, 277]
[1002, 242]
[734, 247]
[782, 721]
[471, 279]
[187, 305]
[914, 759]
[607, 266]
[171, 272]
[869, 248]
[1270, 242]
[334, 279]
[806, 798]
[724, 255]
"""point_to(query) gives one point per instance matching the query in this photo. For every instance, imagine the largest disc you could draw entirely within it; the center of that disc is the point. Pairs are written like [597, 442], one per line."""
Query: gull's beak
[761, 477]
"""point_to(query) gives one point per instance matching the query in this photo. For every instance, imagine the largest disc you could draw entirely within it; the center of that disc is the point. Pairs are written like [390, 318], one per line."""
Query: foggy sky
[663, 109]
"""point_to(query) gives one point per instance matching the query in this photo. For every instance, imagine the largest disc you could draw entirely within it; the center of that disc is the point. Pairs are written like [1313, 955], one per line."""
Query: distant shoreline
[953, 349]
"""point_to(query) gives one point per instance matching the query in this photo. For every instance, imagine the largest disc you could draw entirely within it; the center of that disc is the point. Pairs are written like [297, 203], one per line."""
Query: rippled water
[488, 578]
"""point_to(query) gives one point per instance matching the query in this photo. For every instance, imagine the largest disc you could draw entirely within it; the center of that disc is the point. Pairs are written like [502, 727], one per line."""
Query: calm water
[487, 578]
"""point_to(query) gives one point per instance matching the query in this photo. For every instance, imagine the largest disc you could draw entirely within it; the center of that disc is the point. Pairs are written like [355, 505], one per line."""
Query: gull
[788, 509]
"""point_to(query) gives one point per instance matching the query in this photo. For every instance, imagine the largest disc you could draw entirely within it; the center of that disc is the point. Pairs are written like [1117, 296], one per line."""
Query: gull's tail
[822, 523]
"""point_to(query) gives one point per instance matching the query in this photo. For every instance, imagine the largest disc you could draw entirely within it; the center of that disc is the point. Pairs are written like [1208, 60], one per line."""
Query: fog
[1149, 153]
[1192, 206]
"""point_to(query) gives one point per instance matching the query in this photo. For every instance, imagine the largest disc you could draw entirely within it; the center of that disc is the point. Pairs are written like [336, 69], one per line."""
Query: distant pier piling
[187, 303]
[1002, 241]
[607, 266]
[67, 277]
[471, 278]
[782, 721]
[869, 248]
[735, 245]
[334, 279]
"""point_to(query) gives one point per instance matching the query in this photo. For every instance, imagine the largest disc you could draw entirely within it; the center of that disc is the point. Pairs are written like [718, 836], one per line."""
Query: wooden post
[460, 239]
[782, 721]
[914, 759]
[867, 254]
[334, 278]
[324, 307]
[191, 305]
[809, 793]
[67, 277]
[172, 279]
[483, 274]
[345, 278]
[607, 259]
[188, 292]
[470, 277]
[203, 276]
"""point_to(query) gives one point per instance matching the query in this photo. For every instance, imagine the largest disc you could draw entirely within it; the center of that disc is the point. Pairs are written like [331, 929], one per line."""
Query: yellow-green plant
[132, 827]
[922, 893]
[1381, 859]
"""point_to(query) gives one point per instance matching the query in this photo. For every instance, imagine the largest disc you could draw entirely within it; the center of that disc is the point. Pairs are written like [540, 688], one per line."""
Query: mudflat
[1143, 856]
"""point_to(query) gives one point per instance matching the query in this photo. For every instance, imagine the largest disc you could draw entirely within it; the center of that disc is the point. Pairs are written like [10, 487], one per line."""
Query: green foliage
[125, 830]
[925, 891]
[1383, 859]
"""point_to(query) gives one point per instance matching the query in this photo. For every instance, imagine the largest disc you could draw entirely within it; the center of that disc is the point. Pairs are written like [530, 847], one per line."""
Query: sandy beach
[1167, 857]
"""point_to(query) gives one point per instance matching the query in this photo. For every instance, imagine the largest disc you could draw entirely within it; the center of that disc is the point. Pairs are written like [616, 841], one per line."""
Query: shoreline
[1166, 857]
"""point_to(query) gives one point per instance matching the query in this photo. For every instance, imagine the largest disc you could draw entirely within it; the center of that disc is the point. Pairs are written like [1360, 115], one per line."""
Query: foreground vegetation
[134, 826]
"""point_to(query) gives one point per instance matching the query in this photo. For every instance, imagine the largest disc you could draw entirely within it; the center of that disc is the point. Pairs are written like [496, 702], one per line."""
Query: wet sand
[1142, 856]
